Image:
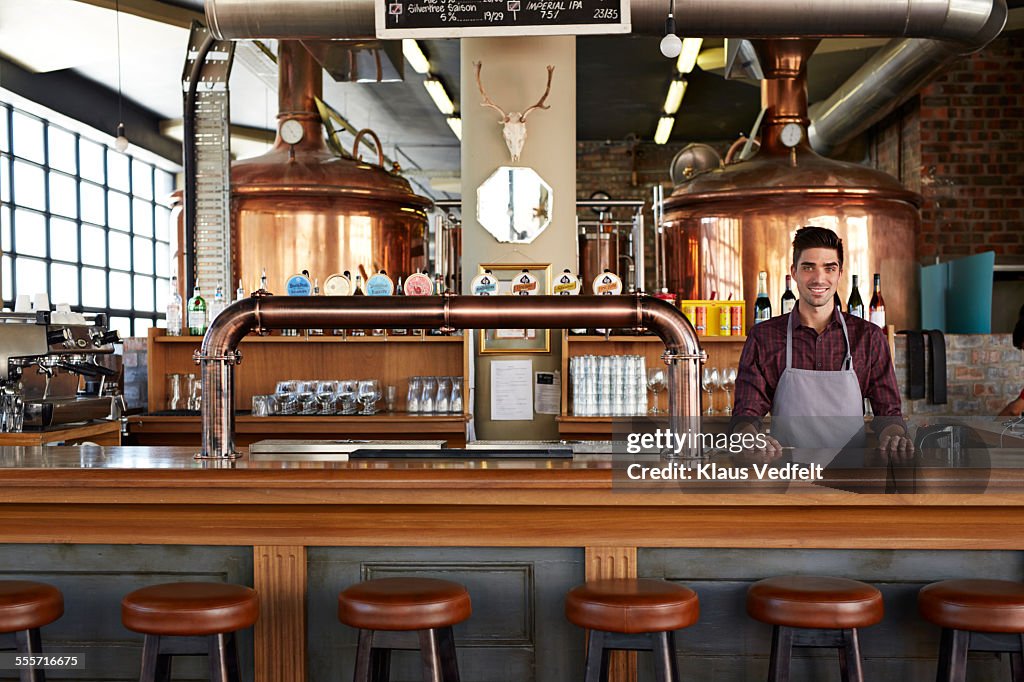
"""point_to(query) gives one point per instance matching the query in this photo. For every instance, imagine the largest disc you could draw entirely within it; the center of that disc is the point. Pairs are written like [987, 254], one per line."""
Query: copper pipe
[218, 355]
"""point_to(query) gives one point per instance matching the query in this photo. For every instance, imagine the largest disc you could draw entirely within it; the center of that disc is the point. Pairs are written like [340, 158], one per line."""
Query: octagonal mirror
[514, 204]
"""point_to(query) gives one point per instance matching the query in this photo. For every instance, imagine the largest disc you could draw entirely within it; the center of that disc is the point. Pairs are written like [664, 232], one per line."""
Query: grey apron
[817, 409]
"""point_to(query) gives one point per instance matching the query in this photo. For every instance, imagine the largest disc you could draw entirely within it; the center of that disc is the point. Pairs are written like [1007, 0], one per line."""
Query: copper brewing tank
[724, 226]
[302, 207]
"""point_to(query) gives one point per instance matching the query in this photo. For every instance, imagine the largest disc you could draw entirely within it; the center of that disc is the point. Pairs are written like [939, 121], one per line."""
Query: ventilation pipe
[934, 32]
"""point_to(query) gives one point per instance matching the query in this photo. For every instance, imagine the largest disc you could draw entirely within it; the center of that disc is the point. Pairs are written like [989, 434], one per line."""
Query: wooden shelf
[196, 340]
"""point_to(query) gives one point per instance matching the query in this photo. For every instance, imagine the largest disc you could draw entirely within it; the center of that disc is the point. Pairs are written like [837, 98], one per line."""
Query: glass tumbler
[455, 406]
[443, 395]
[427, 395]
[412, 398]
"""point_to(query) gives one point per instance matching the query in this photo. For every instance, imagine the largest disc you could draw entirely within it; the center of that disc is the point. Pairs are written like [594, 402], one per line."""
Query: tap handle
[58, 337]
[108, 337]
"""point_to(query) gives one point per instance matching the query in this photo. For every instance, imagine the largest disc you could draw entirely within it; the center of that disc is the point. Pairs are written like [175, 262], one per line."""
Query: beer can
[736, 316]
[724, 317]
[687, 309]
[700, 319]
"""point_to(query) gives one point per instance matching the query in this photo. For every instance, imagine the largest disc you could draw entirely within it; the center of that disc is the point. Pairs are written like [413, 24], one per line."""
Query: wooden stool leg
[363, 651]
[597, 658]
[953, 656]
[664, 657]
[155, 668]
[29, 642]
[782, 654]
[850, 668]
[223, 657]
[430, 655]
[449, 659]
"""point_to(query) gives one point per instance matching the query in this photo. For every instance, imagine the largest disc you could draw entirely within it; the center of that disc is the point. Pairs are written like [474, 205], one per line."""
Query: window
[82, 221]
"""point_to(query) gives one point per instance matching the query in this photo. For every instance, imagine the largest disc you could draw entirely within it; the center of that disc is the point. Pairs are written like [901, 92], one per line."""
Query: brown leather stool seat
[26, 606]
[211, 610]
[815, 612]
[405, 613]
[962, 607]
[634, 614]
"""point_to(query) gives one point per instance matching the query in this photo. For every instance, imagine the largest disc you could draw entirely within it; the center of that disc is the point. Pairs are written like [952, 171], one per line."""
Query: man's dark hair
[813, 237]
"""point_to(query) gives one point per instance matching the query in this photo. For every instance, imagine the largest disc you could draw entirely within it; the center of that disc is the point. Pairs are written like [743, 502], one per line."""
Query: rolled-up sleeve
[882, 389]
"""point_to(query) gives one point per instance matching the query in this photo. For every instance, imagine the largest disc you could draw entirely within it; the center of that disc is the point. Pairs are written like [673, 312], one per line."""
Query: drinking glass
[711, 380]
[728, 381]
[325, 391]
[412, 398]
[455, 406]
[368, 392]
[390, 397]
[195, 392]
[174, 391]
[427, 396]
[656, 384]
[441, 399]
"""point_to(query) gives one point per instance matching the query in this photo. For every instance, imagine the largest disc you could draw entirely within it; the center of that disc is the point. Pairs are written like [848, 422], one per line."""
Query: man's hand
[771, 452]
[894, 442]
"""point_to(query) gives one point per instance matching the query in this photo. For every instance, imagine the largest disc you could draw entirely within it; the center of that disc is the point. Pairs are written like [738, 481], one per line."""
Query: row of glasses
[608, 385]
[434, 395]
[184, 392]
[713, 378]
[323, 397]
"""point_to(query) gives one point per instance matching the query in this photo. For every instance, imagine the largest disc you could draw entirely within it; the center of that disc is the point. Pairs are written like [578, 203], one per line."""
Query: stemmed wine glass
[728, 381]
[656, 384]
[711, 381]
[368, 393]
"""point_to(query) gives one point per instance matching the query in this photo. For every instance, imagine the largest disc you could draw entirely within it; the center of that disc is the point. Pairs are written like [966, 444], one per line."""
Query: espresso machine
[55, 369]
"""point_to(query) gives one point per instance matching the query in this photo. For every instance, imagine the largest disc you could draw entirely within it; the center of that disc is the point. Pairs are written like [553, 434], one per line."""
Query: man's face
[817, 276]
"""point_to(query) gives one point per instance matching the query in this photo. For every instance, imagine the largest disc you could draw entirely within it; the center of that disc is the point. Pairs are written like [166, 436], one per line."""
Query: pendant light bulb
[121, 143]
[671, 45]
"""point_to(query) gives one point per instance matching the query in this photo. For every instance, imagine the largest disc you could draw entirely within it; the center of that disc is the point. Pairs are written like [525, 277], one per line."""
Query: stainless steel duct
[936, 32]
[956, 20]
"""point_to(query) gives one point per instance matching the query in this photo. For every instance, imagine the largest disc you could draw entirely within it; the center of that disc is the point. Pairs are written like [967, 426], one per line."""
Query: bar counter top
[154, 494]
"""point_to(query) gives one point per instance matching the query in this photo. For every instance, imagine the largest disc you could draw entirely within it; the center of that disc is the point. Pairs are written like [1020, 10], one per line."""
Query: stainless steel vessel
[724, 226]
[301, 207]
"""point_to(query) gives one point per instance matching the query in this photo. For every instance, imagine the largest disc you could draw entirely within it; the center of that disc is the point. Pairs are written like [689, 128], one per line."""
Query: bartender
[813, 367]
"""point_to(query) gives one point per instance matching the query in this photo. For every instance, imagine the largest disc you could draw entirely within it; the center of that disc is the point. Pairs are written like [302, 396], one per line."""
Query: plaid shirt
[764, 359]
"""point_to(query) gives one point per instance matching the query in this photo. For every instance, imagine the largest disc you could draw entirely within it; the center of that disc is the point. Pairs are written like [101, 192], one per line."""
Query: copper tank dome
[302, 207]
[724, 226]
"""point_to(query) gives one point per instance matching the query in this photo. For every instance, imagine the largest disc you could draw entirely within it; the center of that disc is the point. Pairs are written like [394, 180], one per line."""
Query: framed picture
[517, 340]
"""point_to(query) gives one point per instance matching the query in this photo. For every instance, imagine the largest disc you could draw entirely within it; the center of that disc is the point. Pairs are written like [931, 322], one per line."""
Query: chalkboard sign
[476, 18]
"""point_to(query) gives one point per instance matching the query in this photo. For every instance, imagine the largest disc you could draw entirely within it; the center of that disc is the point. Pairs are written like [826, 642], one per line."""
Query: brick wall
[984, 373]
[962, 146]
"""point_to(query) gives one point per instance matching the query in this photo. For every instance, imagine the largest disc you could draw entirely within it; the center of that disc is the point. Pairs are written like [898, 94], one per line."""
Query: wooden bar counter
[162, 496]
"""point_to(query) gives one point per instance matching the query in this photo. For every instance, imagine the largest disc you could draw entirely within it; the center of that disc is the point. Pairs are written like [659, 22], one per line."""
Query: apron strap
[847, 361]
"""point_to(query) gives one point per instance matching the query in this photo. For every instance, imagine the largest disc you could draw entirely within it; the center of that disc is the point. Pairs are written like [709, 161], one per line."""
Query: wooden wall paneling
[614, 562]
[279, 576]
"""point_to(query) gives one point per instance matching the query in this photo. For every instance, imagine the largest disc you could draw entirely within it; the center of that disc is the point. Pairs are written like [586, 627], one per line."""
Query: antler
[487, 100]
[540, 104]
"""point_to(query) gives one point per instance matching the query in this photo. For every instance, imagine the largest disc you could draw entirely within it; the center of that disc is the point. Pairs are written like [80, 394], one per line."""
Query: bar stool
[211, 610]
[24, 608]
[814, 612]
[405, 613]
[632, 614]
[979, 615]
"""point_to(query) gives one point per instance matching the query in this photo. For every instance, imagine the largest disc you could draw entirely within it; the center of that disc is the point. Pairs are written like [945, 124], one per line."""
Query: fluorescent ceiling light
[688, 57]
[675, 95]
[455, 123]
[414, 55]
[664, 129]
[440, 97]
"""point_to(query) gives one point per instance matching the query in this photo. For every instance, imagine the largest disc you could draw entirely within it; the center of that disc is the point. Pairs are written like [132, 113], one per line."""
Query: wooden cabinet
[269, 359]
[723, 352]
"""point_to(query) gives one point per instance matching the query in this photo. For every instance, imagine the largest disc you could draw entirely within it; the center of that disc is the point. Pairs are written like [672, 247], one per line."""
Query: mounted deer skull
[514, 123]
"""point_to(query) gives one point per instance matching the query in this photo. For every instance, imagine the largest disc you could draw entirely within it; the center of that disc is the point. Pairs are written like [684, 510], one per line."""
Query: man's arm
[752, 393]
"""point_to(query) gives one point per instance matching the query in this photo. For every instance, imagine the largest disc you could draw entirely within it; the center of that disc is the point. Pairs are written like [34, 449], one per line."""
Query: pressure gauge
[292, 131]
[791, 134]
